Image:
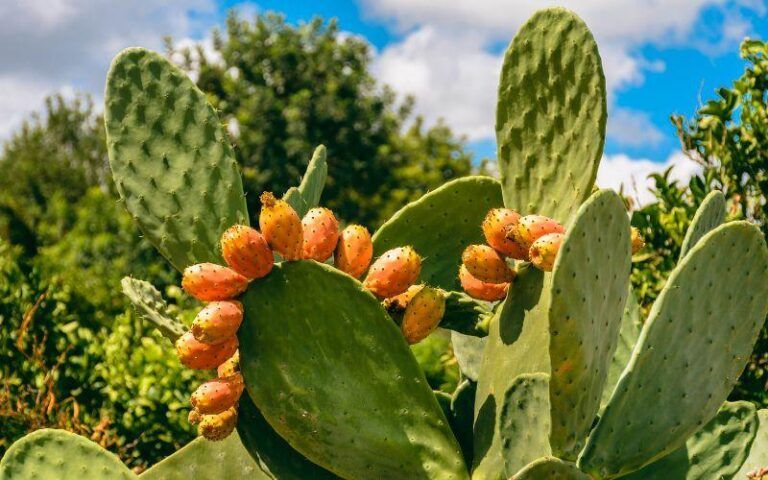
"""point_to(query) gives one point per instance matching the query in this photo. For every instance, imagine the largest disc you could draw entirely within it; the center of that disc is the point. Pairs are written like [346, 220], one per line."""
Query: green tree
[728, 138]
[283, 90]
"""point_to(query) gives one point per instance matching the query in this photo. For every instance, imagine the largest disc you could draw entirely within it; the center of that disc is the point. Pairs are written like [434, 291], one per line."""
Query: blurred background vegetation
[72, 352]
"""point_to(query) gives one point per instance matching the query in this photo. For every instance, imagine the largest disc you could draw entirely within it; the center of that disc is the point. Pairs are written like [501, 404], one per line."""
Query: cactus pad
[524, 421]
[440, 225]
[312, 345]
[631, 324]
[227, 459]
[466, 315]
[711, 308]
[307, 194]
[171, 160]
[589, 289]
[57, 454]
[149, 303]
[714, 452]
[462, 408]
[273, 454]
[709, 215]
[550, 468]
[758, 452]
[468, 351]
[551, 115]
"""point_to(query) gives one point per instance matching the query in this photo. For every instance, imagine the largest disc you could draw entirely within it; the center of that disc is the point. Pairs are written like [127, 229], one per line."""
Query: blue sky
[660, 57]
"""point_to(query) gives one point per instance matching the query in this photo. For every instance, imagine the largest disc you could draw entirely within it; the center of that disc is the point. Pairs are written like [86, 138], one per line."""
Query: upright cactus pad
[757, 456]
[170, 158]
[307, 194]
[711, 308]
[152, 307]
[551, 115]
[550, 468]
[332, 374]
[525, 421]
[589, 290]
[440, 225]
[631, 324]
[57, 454]
[709, 215]
[468, 351]
[714, 452]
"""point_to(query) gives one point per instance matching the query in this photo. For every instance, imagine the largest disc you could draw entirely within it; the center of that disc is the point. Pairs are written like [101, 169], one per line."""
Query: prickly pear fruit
[354, 250]
[399, 302]
[490, 292]
[246, 251]
[393, 272]
[495, 226]
[218, 321]
[544, 251]
[194, 417]
[638, 242]
[321, 233]
[281, 226]
[485, 264]
[423, 314]
[230, 367]
[219, 426]
[201, 356]
[210, 282]
[531, 227]
[217, 395]
[758, 474]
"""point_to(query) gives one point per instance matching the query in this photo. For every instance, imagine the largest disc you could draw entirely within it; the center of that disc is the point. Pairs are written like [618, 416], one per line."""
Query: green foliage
[283, 90]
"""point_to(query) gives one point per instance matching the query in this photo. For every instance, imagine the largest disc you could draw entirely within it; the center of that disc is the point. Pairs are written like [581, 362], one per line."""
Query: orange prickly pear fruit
[354, 250]
[490, 292]
[423, 314]
[201, 356]
[194, 417]
[399, 302]
[544, 251]
[485, 264]
[393, 272]
[246, 251]
[531, 227]
[281, 226]
[217, 395]
[321, 232]
[495, 226]
[218, 321]
[219, 426]
[638, 242]
[230, 367]
[210, 282]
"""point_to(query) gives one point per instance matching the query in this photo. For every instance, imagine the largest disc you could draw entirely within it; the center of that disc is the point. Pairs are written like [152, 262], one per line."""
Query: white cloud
[443, 57]
[632, 173]
[50, 45]
[633, 128]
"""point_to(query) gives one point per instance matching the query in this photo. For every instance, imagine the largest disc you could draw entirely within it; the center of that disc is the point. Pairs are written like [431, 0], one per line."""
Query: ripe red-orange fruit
[354, 250]
[210, 282]
[217, 395]
[281, 226]
[321, 233]
[475, 288]
[393, 272]
[544, 251]
[201, 356]
[218, 321]
[531, 227]
[246, 251]
[495, 226]
[485, 264]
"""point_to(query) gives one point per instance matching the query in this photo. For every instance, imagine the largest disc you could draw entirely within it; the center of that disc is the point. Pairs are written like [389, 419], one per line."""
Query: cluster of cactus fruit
[561, 377]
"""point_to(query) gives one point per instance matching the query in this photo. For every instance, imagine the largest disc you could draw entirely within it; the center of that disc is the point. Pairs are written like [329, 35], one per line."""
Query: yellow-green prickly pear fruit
[321, 233]
[531, 227]
[544, 251]
[485, 264]
[423, 314]
[246, 251]
[281, 226]
[229, 367]
[393, 272]
[219, 426]
[638, 242]
[354, 250]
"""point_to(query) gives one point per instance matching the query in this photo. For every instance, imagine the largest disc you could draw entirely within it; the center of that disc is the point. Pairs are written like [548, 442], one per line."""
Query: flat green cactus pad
[714, 452]
[332, 374]
[589, 289]
[518, 343]
[170, 158]
[550, 468]
[631, 324]
[307, 194]
[466, 315]
[273, 454]
[462, 408]
[227, 459]
[758, 452]
[468, 351]
[712, 308]
[550, 115]
[524, 422]
[150, 304]
[709, 215]
[60, 455]
[440, 225]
